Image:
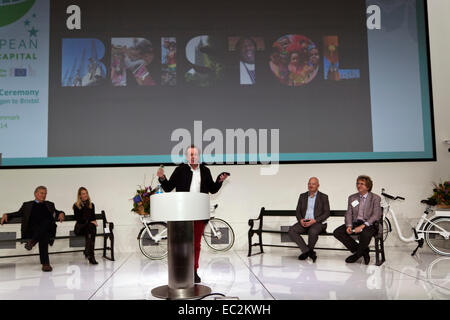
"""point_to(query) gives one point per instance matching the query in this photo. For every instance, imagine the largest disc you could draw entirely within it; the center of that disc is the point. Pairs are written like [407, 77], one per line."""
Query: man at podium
[192, 177]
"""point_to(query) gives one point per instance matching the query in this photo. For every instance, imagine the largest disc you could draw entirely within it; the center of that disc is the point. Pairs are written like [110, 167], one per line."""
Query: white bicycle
[435, 231]
[152, 238]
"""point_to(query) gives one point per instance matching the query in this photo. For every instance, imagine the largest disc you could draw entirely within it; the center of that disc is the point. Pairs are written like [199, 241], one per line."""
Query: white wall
[246, 191]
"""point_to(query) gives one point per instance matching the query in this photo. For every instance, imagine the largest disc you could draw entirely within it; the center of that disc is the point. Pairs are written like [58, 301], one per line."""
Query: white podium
[180, 210]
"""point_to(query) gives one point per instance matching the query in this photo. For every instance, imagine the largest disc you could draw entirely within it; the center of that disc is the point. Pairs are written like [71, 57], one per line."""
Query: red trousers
[199, 226]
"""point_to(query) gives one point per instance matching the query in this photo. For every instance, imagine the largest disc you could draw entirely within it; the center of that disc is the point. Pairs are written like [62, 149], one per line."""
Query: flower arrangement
[141, 199]
[441, 195]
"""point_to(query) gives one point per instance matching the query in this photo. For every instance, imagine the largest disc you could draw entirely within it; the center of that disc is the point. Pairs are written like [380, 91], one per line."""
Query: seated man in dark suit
[363, 211]
[38, 224]
[313, 209]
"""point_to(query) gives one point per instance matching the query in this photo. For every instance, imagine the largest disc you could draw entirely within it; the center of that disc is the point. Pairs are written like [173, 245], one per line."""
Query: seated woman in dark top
[84, 211]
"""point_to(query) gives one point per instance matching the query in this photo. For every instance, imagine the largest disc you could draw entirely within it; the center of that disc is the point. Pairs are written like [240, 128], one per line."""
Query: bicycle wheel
[436, 241]
[386, 228]
[150, 247]
[223, 239]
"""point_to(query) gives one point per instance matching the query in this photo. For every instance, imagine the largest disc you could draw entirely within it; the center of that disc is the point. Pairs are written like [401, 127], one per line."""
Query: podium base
[197, 291]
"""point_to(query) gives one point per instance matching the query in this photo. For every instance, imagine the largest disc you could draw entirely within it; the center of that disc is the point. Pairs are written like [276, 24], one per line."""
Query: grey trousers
[313, 232]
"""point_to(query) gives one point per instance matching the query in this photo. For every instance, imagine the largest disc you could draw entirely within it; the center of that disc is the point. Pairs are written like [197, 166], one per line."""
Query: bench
[76, 241]
[379, 244]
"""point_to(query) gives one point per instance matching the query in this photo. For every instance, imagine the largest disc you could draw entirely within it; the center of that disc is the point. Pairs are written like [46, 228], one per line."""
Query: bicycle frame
[156, 238]
[419, 232]
[216, 233]
[163, 233]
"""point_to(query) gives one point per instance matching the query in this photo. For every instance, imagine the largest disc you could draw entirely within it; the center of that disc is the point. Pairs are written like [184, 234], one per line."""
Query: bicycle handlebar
[389, 196]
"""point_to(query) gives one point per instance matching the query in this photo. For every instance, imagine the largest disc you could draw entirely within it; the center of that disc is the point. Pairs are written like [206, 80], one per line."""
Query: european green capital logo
[13, 10]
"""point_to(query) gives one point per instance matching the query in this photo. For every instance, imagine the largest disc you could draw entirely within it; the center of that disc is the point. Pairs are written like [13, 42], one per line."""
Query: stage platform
[273, 275]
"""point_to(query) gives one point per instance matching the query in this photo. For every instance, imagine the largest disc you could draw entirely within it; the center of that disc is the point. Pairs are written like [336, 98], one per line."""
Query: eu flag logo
[20, 72]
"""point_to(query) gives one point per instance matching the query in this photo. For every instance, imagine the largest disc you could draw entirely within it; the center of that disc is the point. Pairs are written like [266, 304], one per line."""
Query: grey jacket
[372, 209]
[321, 207]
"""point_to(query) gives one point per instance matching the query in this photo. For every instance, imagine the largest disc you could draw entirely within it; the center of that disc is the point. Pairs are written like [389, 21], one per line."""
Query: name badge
[355, 203]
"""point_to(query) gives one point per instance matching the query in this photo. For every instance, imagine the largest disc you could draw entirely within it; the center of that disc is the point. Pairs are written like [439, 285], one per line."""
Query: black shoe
[51, 241]
[303, 256]
[85, 254]
[197, 278]
[352, 258]
[30, 244]
[47, 267]
[92, 260]
[312, 254]
[366, 256]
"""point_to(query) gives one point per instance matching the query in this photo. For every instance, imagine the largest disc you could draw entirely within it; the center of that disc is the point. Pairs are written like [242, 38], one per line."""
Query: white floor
[273, 275]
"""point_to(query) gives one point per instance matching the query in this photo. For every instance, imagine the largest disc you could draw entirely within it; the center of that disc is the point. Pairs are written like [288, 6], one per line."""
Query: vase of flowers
[141, 199]
[441, 195]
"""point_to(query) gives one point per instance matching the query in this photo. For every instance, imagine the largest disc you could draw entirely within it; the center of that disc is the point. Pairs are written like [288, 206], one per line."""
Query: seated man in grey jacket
[363, 211]
[313, 209]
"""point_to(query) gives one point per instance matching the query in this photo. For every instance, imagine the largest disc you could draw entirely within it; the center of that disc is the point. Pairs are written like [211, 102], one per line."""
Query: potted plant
[441, 195]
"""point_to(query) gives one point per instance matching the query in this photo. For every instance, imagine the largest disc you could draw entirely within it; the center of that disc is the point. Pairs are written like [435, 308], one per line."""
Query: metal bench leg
[260, 242]
[250, 234]
[377, 251]
[383, 258]
[104, 245]
[112, 246]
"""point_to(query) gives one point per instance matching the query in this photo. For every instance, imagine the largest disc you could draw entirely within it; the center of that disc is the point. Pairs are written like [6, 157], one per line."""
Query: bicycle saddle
[428, 202]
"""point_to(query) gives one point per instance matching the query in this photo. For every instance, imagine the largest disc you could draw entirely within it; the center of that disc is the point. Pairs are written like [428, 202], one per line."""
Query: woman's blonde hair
[79, 202]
